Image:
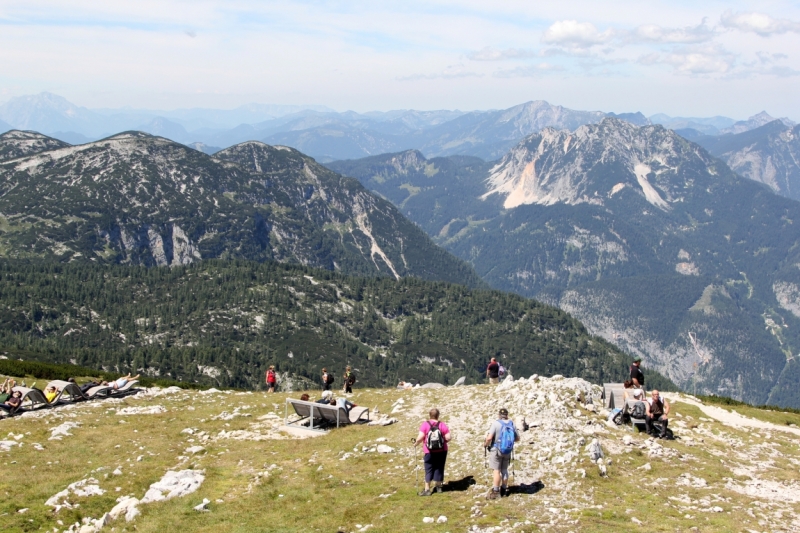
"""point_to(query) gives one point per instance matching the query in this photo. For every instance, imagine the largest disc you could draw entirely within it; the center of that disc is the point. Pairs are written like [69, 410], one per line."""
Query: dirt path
[732, 418]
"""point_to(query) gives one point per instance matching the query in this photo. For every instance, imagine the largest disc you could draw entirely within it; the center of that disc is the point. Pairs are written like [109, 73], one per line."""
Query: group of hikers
[349, 379]
[654, 409]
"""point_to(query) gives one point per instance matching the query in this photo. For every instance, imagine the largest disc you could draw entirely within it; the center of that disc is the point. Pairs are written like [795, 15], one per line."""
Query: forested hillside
[223, 322]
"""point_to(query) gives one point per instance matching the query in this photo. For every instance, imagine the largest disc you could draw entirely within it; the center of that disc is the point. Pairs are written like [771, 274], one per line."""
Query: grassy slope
[311, 489]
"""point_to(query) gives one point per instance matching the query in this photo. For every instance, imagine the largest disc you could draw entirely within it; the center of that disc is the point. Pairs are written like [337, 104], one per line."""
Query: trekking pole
[416, 463]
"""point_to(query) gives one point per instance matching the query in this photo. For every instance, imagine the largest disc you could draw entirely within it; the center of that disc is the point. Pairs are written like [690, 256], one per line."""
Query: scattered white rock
[383, 448]
[195, 449]
[203, 506]
[174, 484]
[428, 520]
[149, 410]
[61, 431]
[442, 519]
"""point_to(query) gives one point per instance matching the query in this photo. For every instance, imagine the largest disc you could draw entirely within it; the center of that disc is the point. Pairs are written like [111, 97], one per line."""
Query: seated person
[632, 392]
[50, 393]
[326, 397]
[343, 402]
[657, 410]
[6, 389]
[404, 385]
[304, 398]
[13, 403]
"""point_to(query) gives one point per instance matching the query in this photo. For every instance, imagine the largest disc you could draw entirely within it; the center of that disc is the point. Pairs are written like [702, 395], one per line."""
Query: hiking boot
[503, 491]
[438, 489]
[424, 493]
[493, 495]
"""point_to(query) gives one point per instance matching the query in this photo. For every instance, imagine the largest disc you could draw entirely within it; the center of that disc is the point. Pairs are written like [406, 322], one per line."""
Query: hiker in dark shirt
[636, 373]
[657, 410]
[86, 386]
[493, 372]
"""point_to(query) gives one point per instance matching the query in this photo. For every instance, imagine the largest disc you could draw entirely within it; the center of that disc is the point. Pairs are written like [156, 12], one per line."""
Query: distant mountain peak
[557, 166]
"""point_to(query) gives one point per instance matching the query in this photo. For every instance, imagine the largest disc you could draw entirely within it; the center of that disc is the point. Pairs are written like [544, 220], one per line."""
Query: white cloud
[659, 34]
[694, 60]
[576, 34]
[449, 72]
[493, 54]
[759, 23]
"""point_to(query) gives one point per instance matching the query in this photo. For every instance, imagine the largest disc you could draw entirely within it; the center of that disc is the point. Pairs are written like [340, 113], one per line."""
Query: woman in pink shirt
[434, 436]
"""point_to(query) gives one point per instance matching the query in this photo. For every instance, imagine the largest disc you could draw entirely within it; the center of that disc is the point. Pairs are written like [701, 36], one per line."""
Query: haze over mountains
[321, 132]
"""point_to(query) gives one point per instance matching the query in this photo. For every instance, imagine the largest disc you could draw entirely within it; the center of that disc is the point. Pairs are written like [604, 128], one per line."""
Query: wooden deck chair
[100, 391]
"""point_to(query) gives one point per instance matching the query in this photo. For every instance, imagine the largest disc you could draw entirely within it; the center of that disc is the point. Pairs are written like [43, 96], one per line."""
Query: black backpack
[434, 440]
[330, 379]
[351, 379]
[638, 410]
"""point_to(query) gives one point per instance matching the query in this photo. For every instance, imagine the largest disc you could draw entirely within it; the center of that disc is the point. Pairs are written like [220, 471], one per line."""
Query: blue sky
[731, 58]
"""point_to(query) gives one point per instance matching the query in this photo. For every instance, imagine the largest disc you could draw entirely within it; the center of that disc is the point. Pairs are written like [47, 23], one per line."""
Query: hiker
[493, 372]
[327, 379]
[434, 436]
[637, 377]
[349, 380]
[657, 411]
[12, 403]
[50, 393]
[500, 441]
[271, 378]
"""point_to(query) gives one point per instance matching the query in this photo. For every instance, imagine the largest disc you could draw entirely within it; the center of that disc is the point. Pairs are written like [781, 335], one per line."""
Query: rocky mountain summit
[178, 456]
[138, 199]
[642, 235]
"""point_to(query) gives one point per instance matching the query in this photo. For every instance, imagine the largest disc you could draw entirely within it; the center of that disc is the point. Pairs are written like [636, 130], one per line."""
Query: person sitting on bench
[13, 403]
[657, 410]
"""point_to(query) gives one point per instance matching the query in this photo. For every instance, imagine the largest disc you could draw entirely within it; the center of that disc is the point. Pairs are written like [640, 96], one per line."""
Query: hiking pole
[416, 463]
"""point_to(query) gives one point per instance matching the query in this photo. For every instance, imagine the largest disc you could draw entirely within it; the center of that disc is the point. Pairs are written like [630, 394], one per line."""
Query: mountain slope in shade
[769, 154]
[15, 143]
[642, 256]
[138, 199]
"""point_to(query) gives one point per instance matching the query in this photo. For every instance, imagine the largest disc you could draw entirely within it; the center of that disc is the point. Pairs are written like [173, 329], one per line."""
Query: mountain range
[644, 236]
[315, 130]
[138, 199]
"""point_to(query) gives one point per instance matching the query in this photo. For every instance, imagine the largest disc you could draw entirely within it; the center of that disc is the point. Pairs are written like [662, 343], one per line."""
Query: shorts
[434, 466]
[494, 381]
[498, 461]
[271, 384]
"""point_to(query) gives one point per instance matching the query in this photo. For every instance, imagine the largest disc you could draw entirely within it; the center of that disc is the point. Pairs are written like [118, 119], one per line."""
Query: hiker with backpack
[499, 442]
[434, 436]
[349, 381]
[327, 380]
[272, 378]
[637, 376]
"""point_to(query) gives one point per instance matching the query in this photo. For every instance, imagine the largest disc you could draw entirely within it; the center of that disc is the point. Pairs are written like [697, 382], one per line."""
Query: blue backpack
[505, 441]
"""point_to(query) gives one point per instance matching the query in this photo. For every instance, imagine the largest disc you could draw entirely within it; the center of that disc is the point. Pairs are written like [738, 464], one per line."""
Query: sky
[731, 58]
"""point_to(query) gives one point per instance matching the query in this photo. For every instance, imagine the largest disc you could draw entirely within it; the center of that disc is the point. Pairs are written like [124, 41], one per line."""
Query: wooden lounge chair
[100, 391]
[322, 416]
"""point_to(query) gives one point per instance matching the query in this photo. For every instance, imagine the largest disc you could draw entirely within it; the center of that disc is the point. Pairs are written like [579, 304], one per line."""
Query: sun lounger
[31, 399]
[101, 391]
[321, 416]
[67, 392]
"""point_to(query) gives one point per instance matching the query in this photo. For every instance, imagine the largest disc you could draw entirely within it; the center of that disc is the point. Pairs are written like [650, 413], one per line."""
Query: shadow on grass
[458, 486]
[526, 488]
